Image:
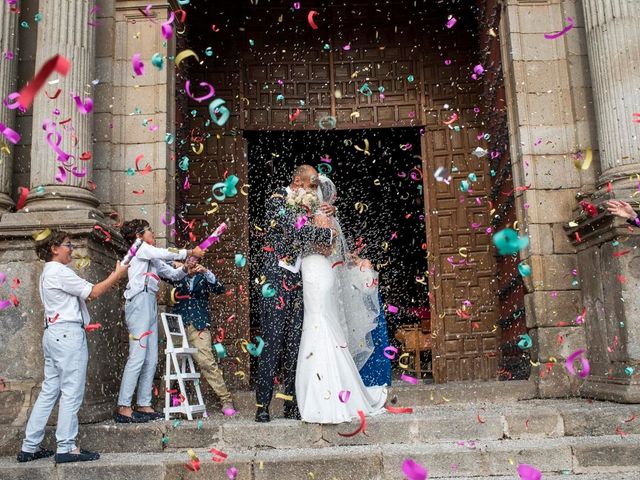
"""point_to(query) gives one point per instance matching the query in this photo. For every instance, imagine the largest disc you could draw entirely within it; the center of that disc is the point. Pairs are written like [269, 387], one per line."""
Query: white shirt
[63, 294]
[152, 259]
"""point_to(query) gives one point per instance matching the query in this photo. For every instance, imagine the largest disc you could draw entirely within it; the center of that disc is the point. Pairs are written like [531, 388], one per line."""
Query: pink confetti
[232, 473]
[61, 177]
[136, 63]
[553, 36]
[578, 354]
[167, 29]
[344, 396]
[413, 470]
[78, 173]
[447, 62]
[527, 472]
[164, 220]
[83, 107]
[9, 134]
[452, 21]
[392, 309]
[409, 379]
[5, 304]
[212, 91]
[301, 221]
[390, 352]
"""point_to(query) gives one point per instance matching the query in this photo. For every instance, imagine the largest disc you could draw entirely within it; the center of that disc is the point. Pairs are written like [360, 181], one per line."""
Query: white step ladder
[180, 368]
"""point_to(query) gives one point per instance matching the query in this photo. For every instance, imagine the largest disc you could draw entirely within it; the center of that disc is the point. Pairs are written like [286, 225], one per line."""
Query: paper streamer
[166, 28]
[83, 107]
[586, 368]
[528, 472]
[254, 350]
[344, 396]
[217, 108]
[9, 134]
[137, 65]
[553, 36]
[212, 91]
[310, 16]
[57, 64]
[361, 428]
[390, 352]
[413, 470]
[184, 54]
[409, 379]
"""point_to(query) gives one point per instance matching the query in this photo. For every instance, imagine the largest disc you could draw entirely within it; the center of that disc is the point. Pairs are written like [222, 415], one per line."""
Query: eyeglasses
[145, 229]
[69, 245]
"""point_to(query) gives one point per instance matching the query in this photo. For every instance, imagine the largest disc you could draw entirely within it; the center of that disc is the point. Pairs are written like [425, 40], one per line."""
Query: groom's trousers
[281, 328]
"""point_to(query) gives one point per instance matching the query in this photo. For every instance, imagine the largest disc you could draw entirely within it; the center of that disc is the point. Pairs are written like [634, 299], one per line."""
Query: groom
[281, 324]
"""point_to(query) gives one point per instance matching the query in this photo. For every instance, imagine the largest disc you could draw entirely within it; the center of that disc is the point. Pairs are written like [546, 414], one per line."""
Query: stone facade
[564, 96]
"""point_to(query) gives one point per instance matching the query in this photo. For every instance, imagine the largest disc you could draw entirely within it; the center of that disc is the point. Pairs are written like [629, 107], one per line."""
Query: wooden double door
[375, 76]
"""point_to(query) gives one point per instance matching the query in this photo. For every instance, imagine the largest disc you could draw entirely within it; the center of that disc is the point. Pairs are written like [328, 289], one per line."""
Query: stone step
[532, 419]
[586, 458]
[425, 394]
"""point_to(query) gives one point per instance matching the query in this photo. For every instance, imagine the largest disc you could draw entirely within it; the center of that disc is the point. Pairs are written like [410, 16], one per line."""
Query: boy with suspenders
[146, 269]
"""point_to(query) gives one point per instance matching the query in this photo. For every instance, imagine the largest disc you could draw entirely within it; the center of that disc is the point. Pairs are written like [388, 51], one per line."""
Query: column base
[63, 197]
[614, 390]
[6, 203]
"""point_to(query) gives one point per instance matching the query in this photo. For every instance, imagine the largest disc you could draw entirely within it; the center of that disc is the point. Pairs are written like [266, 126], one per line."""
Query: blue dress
[377, 370]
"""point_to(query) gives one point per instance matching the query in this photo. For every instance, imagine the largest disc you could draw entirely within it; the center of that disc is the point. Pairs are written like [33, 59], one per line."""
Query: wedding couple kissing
[317, 324]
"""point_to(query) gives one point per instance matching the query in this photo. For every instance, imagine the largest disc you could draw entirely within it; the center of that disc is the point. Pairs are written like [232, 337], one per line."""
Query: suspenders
[146, 277]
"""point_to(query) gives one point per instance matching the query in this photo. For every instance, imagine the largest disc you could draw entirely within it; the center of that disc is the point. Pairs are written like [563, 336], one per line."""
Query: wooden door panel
[463, 266]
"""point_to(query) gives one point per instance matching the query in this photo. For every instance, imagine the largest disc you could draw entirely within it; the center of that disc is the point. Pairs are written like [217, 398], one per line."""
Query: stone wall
[551, 117]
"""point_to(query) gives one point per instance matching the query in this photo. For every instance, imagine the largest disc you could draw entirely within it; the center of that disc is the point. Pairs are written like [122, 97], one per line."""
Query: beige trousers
[207, 364]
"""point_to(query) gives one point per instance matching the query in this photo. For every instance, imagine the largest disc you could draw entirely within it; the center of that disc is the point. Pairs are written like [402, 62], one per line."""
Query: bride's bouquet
[301, 200]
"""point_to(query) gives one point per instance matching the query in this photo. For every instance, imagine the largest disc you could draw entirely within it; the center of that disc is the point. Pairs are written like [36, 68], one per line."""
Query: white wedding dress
[325, 365]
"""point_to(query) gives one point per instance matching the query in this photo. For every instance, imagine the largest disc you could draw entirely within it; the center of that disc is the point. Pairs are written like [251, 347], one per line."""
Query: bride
[338, 319]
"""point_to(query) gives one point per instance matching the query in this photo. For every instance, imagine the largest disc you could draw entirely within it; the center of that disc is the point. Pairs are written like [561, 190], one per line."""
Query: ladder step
[181, 351]
[184, 376]
[194, 409]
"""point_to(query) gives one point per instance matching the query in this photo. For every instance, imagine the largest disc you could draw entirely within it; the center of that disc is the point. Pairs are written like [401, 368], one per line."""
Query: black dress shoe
[292, 413]
[151, 415]
[83, 456]
[262, 415]
[134, 418]
[28, 456]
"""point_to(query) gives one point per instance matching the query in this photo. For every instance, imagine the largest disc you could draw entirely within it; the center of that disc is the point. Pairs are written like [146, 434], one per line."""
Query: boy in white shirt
[141, 311]
[64, 343]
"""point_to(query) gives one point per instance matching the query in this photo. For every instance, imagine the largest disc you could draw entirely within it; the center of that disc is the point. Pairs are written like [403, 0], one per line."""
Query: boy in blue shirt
[192, 295]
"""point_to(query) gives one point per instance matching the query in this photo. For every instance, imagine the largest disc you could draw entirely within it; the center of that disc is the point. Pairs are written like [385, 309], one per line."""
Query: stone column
[613, 40]
[8, 74]
[65, 30]
[610, 277]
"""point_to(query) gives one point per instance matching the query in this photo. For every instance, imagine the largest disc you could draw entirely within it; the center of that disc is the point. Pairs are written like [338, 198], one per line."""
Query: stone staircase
[474, 430]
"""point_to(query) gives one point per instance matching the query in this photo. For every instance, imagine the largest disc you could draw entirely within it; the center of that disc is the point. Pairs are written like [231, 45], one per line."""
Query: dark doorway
[380, 203]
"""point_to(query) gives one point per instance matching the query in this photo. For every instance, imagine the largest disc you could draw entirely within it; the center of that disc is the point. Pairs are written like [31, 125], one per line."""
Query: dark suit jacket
[284, 240]
[195, 310]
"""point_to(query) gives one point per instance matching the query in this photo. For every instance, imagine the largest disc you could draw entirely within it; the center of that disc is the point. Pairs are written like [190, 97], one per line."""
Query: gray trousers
[141, 315]
[65, 372]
